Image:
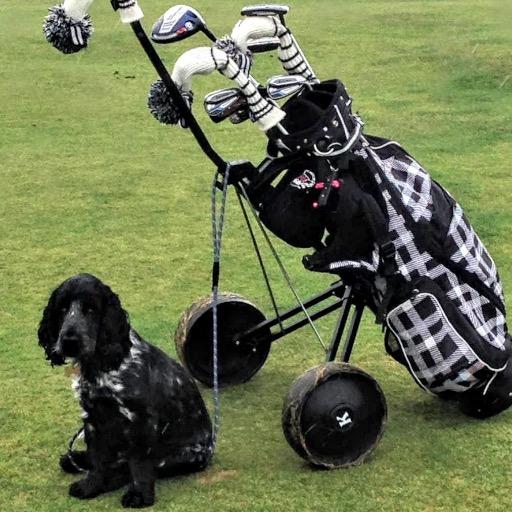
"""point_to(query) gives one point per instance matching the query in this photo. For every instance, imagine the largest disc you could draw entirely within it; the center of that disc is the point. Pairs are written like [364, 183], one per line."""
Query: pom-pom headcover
[162, 106]
[67, 34]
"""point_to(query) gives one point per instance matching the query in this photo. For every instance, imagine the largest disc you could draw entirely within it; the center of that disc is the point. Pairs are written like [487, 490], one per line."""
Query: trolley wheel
[238, 360]
[334, 415]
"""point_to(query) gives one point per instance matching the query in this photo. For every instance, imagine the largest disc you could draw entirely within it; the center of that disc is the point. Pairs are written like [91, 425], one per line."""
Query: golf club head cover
[129, 10]
[162, 107]
[205, 60]
[160, 101]
[290, 54]
[292, 59]
[265, 114]
[68, 27]
[243, 59]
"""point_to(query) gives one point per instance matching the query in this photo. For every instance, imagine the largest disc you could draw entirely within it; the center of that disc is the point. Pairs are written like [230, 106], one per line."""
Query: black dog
[144, 417]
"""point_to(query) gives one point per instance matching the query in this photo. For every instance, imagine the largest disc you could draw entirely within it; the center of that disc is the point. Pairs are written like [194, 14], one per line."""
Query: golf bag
[387, 224]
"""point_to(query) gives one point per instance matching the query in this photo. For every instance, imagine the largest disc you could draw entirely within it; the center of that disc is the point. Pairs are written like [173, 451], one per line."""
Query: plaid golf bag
[388, 224]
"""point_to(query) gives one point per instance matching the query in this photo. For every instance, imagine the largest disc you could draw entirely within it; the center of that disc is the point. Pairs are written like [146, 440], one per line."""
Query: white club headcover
[254, 27]
[197, 61]
[290, 54]
[292, 59]
[264, 114]
[129, 11]
[77, 9]
[205, 60]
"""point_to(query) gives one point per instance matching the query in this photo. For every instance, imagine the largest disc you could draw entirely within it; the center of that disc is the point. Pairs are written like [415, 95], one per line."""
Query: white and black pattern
[129, 10]
[66, 33]
[242, 59]
[163, 107]
[125, 4]
[291, 56]
[462, 370]
[414, 184]
[487, 321]
[467, 250]
[371, 266]
[437, 355]
[413, 263]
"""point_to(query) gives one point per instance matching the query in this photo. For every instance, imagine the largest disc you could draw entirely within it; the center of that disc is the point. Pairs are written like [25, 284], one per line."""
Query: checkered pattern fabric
[414, 185]
[371, 266]
[438, 357]
[467, 250]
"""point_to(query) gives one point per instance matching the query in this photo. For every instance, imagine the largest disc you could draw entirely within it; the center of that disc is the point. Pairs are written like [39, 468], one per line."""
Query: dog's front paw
[134, 498]
[85, 489]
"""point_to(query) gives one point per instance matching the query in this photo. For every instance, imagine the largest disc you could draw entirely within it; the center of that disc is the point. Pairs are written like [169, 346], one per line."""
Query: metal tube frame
[351, 309]
[183, 108]
[351, 306]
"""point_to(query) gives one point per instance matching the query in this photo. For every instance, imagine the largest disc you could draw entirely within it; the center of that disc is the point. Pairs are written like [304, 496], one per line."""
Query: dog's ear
[114, 332]
[48, 331]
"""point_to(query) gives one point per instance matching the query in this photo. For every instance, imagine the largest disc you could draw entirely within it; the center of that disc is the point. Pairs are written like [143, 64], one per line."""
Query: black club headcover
[68, 35]
[162, 106]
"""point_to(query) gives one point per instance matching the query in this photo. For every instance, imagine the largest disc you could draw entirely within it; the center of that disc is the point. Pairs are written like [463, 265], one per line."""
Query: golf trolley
[334, 414]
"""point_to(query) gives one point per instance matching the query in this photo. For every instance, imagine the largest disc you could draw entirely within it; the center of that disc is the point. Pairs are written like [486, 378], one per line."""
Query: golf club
[264, 44]
[266, 21]
[178, 23]
[225, 103]
[266, 10]
[231, 103]
[282, 86]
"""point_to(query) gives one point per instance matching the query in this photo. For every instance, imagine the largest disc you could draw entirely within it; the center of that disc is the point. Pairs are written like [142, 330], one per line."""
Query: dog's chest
[105, 396]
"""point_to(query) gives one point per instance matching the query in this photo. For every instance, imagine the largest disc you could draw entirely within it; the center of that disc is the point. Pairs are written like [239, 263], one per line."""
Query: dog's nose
[69, 344]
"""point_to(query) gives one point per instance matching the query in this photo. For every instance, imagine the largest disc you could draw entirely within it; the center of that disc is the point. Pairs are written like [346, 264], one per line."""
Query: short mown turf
[90, 182]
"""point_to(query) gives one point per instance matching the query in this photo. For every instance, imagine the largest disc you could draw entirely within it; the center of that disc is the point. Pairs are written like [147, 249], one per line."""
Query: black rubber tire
[334, 415]
[238, 361]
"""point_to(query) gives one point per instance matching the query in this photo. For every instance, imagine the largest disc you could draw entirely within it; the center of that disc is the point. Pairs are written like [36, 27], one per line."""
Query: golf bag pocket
[287, 210]
[441, 348]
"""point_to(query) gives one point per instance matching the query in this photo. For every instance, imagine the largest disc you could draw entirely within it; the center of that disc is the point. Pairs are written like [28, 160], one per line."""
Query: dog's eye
[89, 310]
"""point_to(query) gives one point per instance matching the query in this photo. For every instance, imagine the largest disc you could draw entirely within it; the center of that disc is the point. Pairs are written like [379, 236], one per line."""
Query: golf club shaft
[209, 34]
[160, 68]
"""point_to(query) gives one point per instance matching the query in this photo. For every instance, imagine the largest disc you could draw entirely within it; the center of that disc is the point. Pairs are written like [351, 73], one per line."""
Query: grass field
[90, 182]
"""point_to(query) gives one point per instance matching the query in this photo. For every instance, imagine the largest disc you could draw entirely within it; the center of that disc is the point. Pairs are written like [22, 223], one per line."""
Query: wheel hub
[343, 418]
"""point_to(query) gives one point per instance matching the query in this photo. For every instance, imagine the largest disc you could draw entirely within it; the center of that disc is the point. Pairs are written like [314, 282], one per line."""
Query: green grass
[89, 182]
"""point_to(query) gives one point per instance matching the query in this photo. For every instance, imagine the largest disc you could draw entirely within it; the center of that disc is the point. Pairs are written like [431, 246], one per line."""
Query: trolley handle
[204, 60]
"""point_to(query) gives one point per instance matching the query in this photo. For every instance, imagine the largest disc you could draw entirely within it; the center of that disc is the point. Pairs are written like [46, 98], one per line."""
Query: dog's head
[84, 321]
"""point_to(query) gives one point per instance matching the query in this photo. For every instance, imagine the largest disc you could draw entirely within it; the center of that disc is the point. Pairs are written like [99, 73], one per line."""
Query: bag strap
[378, 222]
